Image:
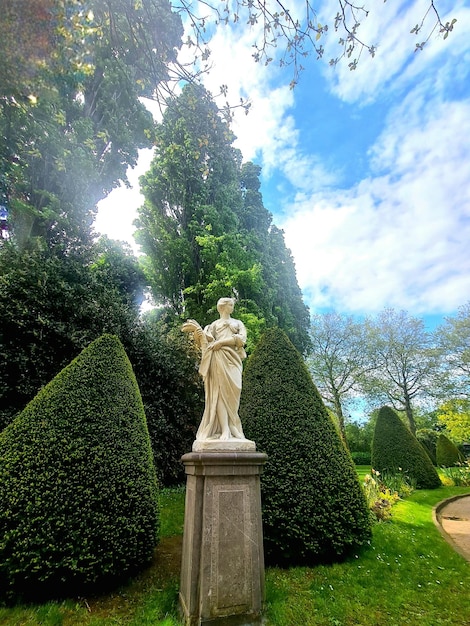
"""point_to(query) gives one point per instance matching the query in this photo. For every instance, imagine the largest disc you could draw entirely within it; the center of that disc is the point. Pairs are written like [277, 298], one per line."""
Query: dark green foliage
[78, 492]
[447, 453]
[359, 435]
[172, 393]
[361, 458]
[428, 439]
[395, 449]
[53, 305]
[314, 509]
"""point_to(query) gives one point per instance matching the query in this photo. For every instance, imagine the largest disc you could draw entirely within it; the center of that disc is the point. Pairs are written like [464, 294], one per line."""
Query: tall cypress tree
[206, 231]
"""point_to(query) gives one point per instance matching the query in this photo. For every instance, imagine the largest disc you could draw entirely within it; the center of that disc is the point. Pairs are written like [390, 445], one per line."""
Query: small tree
[395, 449]
[314, 509]
[447, 453]
[338, 360]
[78, 493]
[403, 360]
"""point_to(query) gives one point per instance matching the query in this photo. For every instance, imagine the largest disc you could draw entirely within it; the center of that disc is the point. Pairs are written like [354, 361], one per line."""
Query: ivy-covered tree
[396, 450]
[314, 509]
[78, 491]
[205, 230]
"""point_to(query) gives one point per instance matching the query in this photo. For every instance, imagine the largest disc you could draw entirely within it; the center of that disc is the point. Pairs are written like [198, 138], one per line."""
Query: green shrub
[447, 453]
[428, 439]
[395, 449]
[398, 483]
[380, 499]
[314, 508]
[361, 458]
[172, 394]
[78, 492]
[459, 476]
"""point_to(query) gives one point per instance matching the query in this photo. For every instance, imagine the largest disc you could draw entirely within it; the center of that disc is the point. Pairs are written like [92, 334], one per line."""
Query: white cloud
[268, 133]
[395, 64]
[399, 239]
[268, 127]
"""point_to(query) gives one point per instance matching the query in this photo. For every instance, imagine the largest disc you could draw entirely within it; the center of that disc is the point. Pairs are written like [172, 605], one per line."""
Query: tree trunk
[340, 416]
[409, 414]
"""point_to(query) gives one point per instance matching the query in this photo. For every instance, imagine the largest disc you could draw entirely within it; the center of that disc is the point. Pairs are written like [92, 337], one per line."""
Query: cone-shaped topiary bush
[428, 439]
[447, 453]
[314, 509]
[396, 450]
[78, 493]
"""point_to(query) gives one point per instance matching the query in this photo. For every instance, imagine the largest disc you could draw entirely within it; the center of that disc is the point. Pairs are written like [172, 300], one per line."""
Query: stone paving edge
[436, 519]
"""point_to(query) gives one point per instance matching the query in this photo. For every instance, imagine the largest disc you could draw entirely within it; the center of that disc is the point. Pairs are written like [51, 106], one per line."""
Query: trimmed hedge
[361, 458]
[314, 509]
[428, 439]
[172, 393]
[78, 492]
[447, 453]
[396, 450]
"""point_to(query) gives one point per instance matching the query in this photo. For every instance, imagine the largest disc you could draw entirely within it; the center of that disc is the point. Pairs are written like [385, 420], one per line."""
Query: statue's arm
[201, 337]
[240, 335]
[237, 340]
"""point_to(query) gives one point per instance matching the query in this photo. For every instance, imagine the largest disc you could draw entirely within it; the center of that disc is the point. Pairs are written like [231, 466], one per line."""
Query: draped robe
[222, 374]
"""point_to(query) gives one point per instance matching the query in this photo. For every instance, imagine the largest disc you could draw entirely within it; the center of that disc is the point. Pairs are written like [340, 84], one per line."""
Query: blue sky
[367, 172]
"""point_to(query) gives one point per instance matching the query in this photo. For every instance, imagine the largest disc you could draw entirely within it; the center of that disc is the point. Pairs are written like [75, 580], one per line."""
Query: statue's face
[225, 304]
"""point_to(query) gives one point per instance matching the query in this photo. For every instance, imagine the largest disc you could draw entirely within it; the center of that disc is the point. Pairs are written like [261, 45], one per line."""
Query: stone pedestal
[222, 573]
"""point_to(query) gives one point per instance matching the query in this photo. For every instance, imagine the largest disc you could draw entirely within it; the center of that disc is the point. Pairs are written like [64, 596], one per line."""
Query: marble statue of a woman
[222, 345]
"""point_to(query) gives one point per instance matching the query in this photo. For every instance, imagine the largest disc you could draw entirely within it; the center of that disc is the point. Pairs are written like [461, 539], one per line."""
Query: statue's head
[222, 303]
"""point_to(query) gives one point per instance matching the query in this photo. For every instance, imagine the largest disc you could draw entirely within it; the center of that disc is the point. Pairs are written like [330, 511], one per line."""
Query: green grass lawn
[362, 470]
[409, 575]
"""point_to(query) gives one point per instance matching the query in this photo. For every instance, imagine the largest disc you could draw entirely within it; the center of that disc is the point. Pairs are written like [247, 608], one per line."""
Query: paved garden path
[452, 517]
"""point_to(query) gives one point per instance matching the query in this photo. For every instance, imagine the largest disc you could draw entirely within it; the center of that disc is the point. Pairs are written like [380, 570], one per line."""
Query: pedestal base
[222, 573]
[231, 445]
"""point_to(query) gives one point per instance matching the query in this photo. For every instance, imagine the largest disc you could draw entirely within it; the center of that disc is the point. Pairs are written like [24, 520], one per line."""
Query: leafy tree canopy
[53, 305]
[205, 230]
[403, 362]
[455, 416]
[73, 125]
[338, 360]
[453, 348]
